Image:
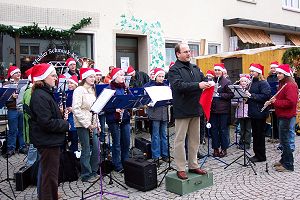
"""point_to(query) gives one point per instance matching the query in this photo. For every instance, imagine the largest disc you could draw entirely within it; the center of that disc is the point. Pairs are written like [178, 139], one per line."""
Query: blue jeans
[15, 125]
[120, 133]
[220, 131]
[102, 124]
[287, 159]
[159, 145]
[89, 159]
[31, 155]
[73, 137]
[292, 133]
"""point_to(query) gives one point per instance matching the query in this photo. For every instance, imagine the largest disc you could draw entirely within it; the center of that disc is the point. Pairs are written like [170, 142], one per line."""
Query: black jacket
[222, 104]
[47, 127]
[260, 92]
[184, 80]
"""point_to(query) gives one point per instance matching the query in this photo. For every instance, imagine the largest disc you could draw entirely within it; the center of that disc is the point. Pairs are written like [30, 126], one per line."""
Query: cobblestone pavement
[234, 182]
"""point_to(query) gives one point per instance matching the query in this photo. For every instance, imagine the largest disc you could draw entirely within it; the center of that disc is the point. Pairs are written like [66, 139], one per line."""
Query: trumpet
[86, 62]
[267, 103]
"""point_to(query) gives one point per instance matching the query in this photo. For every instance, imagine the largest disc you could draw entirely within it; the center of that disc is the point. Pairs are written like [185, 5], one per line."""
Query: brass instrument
[86, 62]
[267, 103]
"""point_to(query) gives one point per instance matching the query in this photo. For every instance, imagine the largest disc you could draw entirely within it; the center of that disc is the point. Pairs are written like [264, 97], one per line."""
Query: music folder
[5, 94]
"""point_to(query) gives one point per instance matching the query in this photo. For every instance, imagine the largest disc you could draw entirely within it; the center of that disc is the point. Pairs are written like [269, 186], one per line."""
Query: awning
[252, 35]
[294, 38]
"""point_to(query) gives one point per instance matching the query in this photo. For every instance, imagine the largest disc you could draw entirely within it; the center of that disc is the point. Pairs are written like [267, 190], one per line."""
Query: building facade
[144, 33]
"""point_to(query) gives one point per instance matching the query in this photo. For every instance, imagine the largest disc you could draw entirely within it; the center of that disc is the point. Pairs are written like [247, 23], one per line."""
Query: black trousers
[49, 162]
[275, 126]
[258, 134]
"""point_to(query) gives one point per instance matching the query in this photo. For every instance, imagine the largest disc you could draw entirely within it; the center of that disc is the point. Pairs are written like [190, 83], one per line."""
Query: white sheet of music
[159, 93]
[102, 100]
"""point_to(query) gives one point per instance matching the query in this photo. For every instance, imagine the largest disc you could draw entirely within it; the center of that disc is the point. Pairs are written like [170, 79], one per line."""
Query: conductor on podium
[187, 83]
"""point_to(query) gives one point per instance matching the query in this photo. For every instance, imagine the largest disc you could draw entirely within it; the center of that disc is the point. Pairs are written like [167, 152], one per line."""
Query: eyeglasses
[189, 51]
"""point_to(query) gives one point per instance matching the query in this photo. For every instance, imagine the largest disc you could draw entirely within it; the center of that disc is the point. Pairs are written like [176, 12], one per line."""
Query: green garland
[292, 57]
[34, 31]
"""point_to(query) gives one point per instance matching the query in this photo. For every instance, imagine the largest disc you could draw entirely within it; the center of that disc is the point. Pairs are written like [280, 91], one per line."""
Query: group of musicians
[49, 123]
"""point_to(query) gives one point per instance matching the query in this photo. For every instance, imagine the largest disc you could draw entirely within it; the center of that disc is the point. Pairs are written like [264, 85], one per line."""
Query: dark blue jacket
[222, 104]
[111, 115]
[260, 92]
[273, 82]
[184, 79]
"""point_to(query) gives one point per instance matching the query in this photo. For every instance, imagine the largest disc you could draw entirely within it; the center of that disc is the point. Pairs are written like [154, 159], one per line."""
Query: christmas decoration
[34, 31]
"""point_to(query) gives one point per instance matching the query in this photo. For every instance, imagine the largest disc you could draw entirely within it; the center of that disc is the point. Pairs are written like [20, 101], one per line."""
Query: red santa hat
[151, 74]
[70, 61]
[41, 71]
[85, 72]
[130, 70]
[158, 71]
[73, 79]
[210, 73]
[28, 73]
[274, 64]
[115, 73]
[171, 64]
[98, 71]
[11, 71]
[285, 69]
[219, 66]
[257, 68]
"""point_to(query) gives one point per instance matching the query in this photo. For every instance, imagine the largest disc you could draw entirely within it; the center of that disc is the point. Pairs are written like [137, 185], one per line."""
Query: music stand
[111, 103]
[240, 93]
[5, 94]
[162, 96]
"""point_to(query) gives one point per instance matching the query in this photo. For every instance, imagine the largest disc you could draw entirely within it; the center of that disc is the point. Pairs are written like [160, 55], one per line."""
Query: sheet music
[159, 93]
[102, 100]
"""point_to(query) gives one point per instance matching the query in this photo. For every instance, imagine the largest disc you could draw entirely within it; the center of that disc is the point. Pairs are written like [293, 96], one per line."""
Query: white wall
[189, 20]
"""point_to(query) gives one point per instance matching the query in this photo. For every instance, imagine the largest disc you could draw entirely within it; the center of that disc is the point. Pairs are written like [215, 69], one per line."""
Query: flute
[267, 103]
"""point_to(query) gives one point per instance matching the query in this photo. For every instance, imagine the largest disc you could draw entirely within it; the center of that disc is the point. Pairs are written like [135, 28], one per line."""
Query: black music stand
[5, 94]
[121, 102]
[239, 92]
[169, 167]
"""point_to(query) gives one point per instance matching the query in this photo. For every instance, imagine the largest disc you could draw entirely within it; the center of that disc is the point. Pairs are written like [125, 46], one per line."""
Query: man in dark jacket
[187, 83]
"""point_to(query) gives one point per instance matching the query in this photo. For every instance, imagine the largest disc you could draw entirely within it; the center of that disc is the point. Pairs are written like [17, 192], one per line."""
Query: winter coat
[111, 115]
[222, 104]
[83, 99]
[260, 92]
[47, 126]
[157, 113]
[286, 100]
[184, 79]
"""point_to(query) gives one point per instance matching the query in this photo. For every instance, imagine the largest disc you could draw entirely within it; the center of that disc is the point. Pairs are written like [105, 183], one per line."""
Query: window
[213, 48]
[170, 53]
[29, 49]
[291, 4]
[194, 49]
